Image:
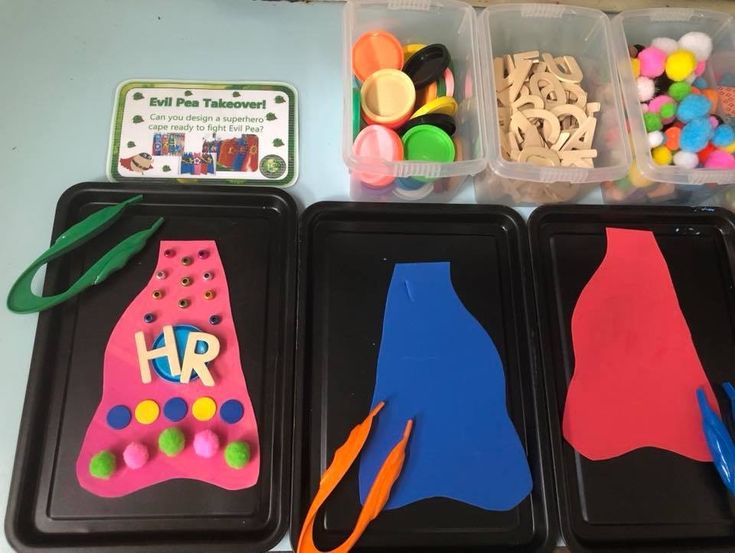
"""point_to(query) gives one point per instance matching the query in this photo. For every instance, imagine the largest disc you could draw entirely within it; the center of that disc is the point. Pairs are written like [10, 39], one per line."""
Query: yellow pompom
[662, 155]
[730, 148]
[635, 63]
[680, 64]
[636, 178]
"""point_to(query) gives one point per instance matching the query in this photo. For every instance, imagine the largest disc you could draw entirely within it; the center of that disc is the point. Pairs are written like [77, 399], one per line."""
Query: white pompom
[688, 160]
[666, 44]
[699, 44]
[691, 78]
[655, 138]
[646, 88]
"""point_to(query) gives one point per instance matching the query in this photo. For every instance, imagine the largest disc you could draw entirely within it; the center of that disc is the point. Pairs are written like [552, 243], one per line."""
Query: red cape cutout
[636, 370]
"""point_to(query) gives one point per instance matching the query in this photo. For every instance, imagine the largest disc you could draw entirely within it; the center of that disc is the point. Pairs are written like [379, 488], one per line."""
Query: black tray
[649, 499]
[255, 230]
[346, 260]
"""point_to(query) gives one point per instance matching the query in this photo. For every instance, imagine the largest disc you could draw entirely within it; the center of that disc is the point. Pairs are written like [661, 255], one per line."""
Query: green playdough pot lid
[428, 143]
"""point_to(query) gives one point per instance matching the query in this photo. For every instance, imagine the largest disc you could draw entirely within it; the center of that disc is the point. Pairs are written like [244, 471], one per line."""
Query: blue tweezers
[720, 443]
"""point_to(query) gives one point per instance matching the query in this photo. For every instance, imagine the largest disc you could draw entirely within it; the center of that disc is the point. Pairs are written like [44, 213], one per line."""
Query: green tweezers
[22, 300]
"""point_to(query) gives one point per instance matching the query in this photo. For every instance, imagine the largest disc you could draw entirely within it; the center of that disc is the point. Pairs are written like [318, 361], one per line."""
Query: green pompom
[652, 121]
[679, 90]
[667, 110]
[171, 441]
[237, 454]
[102, 465]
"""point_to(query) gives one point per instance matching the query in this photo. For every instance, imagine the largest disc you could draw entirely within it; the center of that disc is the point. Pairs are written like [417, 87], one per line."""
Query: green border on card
[113, 156]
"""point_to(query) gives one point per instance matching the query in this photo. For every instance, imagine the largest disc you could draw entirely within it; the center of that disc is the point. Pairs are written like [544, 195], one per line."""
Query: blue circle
[181, 335]
[118, 417]
[231, 411]
[175, 409]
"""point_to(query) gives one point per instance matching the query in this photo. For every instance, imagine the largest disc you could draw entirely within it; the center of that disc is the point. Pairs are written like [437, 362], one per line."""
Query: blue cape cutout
[439, 367]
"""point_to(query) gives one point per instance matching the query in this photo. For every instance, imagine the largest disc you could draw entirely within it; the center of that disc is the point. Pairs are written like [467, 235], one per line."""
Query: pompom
[724, 135]
[668, 111]
[687, 160]
[662, 84]
[644, 108]
[691, 78]
[695, 135]
[636, 66]
[730, 148]
[652, 61]
[699, 44]
[652, 121]
[704, 153]
[679, 91]
[655, 138]
[637, 178]
[699, 68]
[680, 64]
[658, 102]
[699, 82]
[713, 96]
[662, 155]
[693, 107]
[646, 88]
[102, 465]
[206, 444]
[666, 44]
[714, 121]
[135, 455]
[171, 441]
[237, 454]
[720, 159]
[672, 135]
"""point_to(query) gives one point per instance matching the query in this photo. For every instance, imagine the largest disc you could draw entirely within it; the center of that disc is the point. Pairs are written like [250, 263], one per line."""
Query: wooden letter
[168, 349]
[571, 73]
[197, 362]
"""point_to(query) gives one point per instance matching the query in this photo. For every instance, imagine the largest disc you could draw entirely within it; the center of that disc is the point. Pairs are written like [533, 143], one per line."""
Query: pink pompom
[714, 121]
[657, 103]
[700, 67]
[135, 455]
[206, 444]
[653, 61]
[719, 159]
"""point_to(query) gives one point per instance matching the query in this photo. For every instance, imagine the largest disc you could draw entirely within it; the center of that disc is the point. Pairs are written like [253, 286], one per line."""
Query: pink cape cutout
[636, 370]
[122, 383]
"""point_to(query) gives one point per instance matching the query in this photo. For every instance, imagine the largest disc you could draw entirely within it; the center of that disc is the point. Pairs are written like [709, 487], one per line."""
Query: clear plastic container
[669, 183]
[449, 22]
[585, 34]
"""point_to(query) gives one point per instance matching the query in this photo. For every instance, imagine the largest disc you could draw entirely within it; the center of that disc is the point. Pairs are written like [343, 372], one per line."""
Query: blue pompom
[695, 135]
[692, 107]
[724, 135]
[700, 83]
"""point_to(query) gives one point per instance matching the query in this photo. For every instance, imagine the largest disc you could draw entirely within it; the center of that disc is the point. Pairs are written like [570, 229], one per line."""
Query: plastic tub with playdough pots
[649, 180]
[566, 87]
[412, 130]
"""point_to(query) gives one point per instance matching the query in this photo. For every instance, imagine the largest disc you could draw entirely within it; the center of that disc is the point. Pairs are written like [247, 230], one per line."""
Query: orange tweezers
[379, 492]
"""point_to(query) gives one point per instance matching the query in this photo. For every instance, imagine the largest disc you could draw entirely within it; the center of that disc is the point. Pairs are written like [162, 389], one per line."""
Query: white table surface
[59, 65]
